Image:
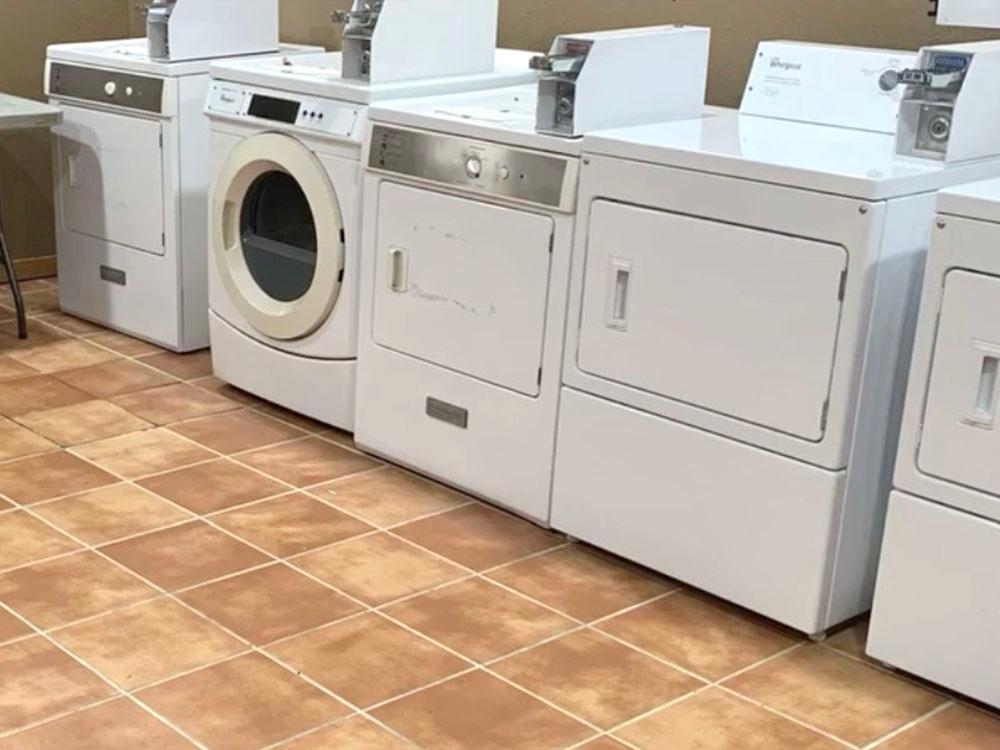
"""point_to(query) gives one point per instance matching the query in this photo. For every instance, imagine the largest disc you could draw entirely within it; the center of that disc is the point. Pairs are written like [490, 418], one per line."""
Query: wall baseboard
[31, 268]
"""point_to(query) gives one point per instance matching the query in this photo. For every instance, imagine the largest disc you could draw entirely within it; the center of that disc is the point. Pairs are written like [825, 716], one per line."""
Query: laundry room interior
[499, 375]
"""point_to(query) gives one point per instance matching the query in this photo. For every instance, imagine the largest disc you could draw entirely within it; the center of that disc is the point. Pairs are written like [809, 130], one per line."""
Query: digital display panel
[269, 108]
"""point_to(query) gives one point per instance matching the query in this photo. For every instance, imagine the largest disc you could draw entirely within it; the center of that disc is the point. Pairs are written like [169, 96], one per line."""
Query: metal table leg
[15, 288]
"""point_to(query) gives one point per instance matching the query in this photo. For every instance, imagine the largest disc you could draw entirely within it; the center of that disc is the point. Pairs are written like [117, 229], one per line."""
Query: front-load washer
[741, 305]
[937, 602]
[469, 219]
[285, 223]
[131, 177]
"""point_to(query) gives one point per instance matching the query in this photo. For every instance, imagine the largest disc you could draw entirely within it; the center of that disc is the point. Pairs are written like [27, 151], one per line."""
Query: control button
[474, 167]
[504, 173]
[129, 91]
[110, 88]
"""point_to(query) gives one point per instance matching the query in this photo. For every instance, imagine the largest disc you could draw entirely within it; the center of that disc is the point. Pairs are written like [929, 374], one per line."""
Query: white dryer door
[462, 284]
[961, 438]
[735, 320]
[110, 175]
[277, 236]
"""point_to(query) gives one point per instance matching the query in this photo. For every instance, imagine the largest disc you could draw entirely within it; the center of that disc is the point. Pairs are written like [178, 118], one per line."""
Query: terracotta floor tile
[20, 395]
[221, 388]
[24, 539]
[306, 462]
[39, 301]
[953, 728]
[185, 555]
[40, 336]
[183, 366]
[835, 693]
[66, 354]
[596, 678]
[851, 640]
[173, 403]
[367, 659]
[17, 441]
[701, 634]
[49, 475]
[478, 619]
[123, 344]
[82, 423]
[291, 524]
[603, 743]
[478, 537]
[715, 720]
[242, 704]
[143, 453]
[40, 681]
[479, 711]
[113, 378]
[378, 568]
[270, 603]
[115, 725]
[290, 417]
[582, 583]
[70, 323]
[389, 496]
[110, 513]
[11, 627]
[235, 431]
[356, 733]
[61, 591]
[212, 486]
[11, 368]
[147, 643]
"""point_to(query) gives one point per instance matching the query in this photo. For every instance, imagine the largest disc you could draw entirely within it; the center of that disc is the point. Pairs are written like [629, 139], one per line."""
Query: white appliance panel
[937, 603]
[961, 407]
[734, 320]
[462, 284]
[111, 177]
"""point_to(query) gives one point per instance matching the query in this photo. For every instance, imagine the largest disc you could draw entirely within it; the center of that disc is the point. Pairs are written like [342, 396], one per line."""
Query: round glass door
[277, 234]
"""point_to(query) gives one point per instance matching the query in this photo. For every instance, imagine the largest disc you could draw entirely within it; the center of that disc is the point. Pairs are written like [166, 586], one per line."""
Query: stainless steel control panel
[483, 167]
[107, 87]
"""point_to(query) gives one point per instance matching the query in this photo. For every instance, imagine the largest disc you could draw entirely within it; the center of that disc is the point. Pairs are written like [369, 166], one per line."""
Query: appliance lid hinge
[552, 243]
[343, 237]
[842, 290]
[161, 141]
[825, 415]
[163, 239]
[539, 376]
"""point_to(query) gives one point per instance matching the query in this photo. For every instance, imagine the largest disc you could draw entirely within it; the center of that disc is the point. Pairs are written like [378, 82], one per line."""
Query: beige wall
[26, 26]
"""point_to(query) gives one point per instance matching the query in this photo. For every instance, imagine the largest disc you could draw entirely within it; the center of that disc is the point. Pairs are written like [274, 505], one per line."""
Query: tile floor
[184, 566]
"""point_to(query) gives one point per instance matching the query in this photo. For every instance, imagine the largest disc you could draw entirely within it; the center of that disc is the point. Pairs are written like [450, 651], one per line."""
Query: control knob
[474, 167]
[110, 88]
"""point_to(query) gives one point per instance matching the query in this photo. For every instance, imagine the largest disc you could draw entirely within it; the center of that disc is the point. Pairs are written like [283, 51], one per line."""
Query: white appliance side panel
[462, 284]
[731, 319]
[193, 135]
[887, 353]
[110, 176]
[750, 526]
[961, 438]
[937, 603]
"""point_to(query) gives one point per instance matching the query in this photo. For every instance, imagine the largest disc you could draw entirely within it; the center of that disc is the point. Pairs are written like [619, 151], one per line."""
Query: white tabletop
[18, 114]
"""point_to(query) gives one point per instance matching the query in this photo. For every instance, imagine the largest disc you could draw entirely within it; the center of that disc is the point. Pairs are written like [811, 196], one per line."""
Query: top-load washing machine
[286, 170]
[942, 534]
[131, 171]
[741, 306]
[469, 217]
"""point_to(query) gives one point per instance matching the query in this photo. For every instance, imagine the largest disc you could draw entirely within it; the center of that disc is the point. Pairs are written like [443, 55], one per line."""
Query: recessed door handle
[399, 270]
[73, 170]
[617, 294]
[229, 228]
[985, 405]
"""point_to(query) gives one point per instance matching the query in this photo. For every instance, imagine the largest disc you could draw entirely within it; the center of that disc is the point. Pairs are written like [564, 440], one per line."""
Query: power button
[474, 167]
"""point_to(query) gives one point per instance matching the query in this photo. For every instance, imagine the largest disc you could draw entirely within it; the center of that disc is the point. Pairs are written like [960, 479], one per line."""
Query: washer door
[277, 236]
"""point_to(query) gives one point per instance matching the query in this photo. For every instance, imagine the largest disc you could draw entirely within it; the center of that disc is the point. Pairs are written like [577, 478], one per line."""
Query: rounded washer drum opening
[278, 236]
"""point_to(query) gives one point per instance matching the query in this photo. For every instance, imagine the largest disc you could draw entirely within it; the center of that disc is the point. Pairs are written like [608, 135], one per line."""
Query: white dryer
[469, 220]
[741, 302]
[937, 602]
[285, 232]
[131, 180]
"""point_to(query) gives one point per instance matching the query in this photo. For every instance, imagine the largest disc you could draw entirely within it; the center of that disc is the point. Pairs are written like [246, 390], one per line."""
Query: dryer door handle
[399, 270]
[985, 406]
[230, 228]
[617, 294]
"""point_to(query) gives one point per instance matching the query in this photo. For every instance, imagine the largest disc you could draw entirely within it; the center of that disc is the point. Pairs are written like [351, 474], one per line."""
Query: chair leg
[15, 288]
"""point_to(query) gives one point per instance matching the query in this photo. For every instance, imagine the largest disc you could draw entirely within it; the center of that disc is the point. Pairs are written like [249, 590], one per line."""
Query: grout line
[910, 725]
